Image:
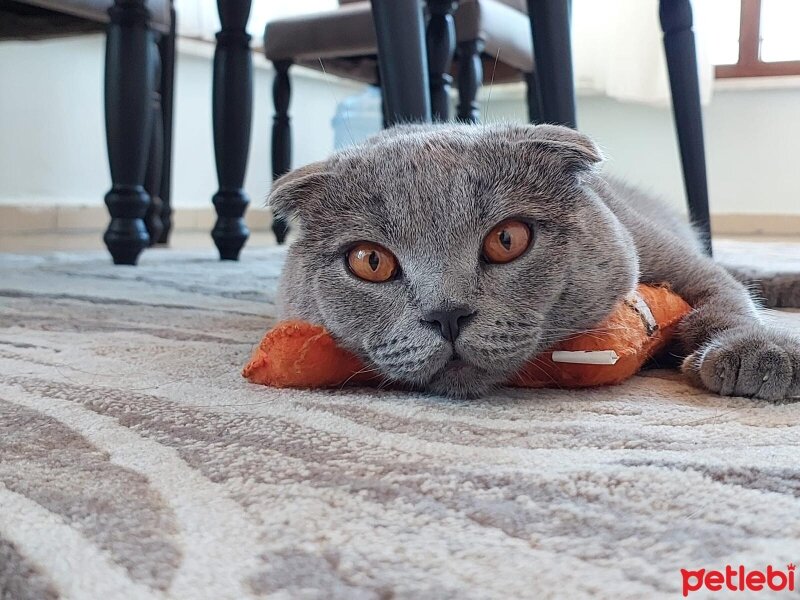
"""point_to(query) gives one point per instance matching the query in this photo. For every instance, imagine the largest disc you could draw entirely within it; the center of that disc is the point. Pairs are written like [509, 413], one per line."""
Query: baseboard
[76, 219]
[744, 224]
[66, 219]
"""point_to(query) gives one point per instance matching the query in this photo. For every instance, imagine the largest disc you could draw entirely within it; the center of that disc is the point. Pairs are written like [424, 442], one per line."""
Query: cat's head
[447, 256]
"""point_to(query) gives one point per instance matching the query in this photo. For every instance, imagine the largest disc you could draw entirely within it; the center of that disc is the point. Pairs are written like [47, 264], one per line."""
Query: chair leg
[441, 43]
[385, 121]
[533, 96]
[152, 178]
[401, 59]
[232, 107]
[470, 77]
[550, 28]
[281, 136]
[166, 48]
[676, 23]
[129, 83]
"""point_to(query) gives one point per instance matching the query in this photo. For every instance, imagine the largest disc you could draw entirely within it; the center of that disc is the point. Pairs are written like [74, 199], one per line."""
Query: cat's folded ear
[299, 191]
[566, 147]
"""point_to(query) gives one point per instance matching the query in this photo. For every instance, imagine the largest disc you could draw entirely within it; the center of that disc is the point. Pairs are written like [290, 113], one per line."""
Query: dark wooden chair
[139, 74]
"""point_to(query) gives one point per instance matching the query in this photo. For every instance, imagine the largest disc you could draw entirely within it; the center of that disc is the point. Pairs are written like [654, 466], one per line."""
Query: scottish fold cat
[446, 256]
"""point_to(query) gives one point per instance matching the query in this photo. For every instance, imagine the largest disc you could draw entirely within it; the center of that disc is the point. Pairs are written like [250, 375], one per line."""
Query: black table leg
[232, 105]
[281, 136]
[166, 48]
[129, 83]
[441, 44]
[676, 22]
[402, 60]
[550, 27]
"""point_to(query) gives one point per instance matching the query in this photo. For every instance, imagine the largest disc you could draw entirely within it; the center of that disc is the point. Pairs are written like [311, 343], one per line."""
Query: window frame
[749, 63]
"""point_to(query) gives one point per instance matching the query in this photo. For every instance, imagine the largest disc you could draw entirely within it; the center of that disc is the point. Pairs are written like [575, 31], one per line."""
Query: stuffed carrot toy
[298, 354]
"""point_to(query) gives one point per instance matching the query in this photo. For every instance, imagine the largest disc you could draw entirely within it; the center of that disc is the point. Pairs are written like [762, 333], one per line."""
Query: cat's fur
[430, 194]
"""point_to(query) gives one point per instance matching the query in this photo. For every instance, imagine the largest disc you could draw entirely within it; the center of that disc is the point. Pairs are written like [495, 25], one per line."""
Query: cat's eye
[507, 241]
[372, 262]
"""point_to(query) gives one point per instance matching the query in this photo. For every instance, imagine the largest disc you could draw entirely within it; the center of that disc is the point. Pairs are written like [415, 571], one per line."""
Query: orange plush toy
[297, 354]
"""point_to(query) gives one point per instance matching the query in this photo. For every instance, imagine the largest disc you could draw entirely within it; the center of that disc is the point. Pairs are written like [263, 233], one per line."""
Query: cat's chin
[458, 379]
[455, 374]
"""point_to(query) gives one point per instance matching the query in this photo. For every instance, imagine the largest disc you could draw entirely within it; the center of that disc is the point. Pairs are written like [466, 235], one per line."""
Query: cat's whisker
[592, 329]
[385, 382]
[595, 334]
[336, 100]
[491, 85]
[367, 369]
[529, 379]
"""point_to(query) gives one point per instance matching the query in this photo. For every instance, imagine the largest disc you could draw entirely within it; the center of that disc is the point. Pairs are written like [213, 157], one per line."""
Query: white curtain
[618, 51]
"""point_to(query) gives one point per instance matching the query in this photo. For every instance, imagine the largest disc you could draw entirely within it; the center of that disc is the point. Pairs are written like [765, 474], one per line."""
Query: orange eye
[507, 241]
[372, 262]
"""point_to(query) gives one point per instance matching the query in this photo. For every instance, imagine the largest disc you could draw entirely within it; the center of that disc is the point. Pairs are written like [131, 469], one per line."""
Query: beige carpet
[136, 463]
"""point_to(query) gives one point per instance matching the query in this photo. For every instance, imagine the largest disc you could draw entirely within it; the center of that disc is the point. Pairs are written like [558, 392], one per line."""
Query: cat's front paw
[754, 362]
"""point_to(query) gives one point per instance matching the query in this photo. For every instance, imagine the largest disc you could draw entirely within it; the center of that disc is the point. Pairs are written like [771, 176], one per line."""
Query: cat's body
[431, 195]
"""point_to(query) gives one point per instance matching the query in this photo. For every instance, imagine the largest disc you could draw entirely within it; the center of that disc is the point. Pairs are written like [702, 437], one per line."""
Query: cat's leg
[730, 349]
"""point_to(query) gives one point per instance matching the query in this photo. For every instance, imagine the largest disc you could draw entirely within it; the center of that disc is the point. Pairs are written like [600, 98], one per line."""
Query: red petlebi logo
[739, 579]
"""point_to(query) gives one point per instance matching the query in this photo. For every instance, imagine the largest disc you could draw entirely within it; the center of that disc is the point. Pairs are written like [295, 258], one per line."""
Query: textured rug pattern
[136, 463]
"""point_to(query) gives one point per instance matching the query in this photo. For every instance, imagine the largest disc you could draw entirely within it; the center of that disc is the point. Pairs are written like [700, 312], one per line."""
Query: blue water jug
[358, 117]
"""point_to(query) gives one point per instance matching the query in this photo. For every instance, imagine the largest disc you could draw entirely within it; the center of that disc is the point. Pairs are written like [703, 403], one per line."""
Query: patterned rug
[135, 462]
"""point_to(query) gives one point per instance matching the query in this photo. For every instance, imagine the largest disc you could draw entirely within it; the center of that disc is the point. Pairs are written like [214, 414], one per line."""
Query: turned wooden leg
[281, 136]
[232, 105]
[470, 76]
[152, 178]
[129, 83]
[676, 22]
[441, 43]
[533, 96]
[550, 27]
[401, 58]
[166, 48]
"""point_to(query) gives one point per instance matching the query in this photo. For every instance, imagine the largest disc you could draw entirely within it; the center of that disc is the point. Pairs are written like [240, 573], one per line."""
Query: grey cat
[417, 209]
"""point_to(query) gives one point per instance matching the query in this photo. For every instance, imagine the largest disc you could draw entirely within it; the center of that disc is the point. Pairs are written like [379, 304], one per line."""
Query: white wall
[752, 146]
[52, 141]
[52, 147]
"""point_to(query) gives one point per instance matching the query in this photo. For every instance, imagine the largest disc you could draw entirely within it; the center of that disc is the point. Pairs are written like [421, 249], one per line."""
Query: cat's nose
[449, 321]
